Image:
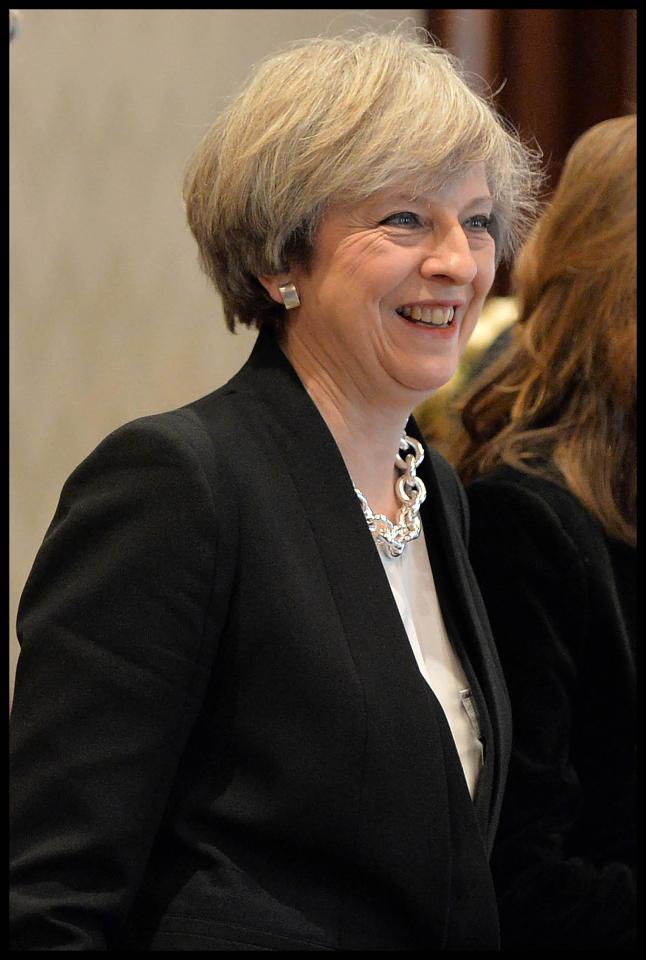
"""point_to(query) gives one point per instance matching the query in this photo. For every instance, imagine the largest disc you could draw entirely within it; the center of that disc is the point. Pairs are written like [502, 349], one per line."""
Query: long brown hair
[561, 400]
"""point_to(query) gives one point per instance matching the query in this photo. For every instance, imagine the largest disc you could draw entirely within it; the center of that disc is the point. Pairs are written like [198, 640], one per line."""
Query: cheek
[374, 269]
[486, 275]
[374, 284]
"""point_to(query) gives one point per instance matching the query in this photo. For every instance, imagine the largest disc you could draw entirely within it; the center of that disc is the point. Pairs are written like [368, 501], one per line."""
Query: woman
[550, 454]
[225, 734]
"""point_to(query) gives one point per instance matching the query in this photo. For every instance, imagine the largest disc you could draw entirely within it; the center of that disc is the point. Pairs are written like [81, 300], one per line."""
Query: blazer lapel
[468, 626]
[380, 646]
[325, 487]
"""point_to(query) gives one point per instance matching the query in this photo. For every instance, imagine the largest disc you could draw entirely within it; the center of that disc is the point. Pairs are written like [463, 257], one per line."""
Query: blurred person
[549, 456]
[257, 704]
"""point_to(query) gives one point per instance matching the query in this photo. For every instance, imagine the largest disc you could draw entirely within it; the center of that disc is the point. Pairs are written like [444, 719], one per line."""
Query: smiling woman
[287, 726]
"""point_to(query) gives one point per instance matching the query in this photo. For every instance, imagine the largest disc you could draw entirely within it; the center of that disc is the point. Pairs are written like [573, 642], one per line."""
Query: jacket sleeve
[118, 630]
[535, 587]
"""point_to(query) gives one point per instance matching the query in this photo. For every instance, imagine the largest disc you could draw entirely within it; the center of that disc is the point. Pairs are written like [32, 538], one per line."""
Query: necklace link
[410, 492]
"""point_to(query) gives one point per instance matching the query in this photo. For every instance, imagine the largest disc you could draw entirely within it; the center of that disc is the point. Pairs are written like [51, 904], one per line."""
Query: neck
[367, 434]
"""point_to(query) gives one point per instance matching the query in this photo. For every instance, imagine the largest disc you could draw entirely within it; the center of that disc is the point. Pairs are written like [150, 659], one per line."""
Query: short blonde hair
[335, 120]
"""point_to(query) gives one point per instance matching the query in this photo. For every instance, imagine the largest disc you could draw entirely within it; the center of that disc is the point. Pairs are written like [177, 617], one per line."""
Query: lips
[428, 315]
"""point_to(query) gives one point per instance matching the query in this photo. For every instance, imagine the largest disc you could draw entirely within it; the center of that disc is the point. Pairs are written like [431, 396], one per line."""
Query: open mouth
[438, 317]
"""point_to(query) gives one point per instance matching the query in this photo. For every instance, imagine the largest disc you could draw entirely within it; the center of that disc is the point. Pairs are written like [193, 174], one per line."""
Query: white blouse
[411, 581]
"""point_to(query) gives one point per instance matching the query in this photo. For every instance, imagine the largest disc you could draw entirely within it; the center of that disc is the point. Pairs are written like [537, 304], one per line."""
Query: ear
[271, 283]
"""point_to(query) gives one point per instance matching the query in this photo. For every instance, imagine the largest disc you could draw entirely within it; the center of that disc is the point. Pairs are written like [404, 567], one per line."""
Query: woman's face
[396, 286]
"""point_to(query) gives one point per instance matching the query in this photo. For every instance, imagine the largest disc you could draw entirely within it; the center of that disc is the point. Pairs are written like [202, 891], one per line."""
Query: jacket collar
[322, 481]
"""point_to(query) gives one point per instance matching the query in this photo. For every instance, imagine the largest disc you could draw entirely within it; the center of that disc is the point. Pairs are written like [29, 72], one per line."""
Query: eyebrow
[485, 199]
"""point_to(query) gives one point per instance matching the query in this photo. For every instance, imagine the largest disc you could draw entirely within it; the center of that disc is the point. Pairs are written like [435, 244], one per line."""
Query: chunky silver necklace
[410, 492]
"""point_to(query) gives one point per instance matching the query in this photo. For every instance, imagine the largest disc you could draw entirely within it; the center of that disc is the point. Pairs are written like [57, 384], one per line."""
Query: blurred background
[110, 316]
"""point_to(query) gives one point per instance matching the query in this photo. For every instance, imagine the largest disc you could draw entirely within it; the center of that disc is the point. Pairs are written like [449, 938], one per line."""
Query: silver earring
[289, 293]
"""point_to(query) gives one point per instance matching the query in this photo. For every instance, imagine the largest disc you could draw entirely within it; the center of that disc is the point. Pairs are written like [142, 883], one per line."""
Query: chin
[428, 382]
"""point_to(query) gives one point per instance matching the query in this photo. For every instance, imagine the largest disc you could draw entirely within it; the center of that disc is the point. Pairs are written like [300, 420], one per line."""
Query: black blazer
[561, 599]
[221, 739]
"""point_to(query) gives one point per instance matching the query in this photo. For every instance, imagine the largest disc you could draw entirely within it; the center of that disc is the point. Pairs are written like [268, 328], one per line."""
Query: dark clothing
[561, 600]
[221, 739]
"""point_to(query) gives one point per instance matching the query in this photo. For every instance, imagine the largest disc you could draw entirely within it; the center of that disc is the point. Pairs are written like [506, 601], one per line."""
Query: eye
[480, 222]
[403, 219]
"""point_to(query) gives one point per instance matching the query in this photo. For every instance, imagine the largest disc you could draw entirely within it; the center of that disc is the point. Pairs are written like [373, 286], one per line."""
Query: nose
[448, 257]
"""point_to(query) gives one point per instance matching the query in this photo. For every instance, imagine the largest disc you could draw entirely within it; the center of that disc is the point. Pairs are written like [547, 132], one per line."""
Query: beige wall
[110, 317]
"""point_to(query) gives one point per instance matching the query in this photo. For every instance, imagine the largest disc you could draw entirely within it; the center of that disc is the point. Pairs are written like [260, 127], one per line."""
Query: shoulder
[546, 527]
[530, 563]
[157, 474]
[530, 507]
[192, 438]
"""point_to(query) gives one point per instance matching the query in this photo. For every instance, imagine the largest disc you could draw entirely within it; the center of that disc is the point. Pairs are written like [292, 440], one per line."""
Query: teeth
[433, 316]
[438, 316]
